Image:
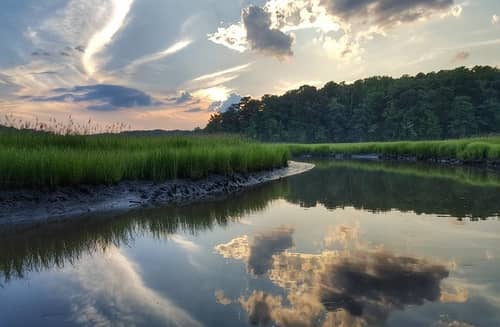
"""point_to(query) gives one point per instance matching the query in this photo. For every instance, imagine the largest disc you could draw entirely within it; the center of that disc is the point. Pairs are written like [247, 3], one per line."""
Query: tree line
[446, 104]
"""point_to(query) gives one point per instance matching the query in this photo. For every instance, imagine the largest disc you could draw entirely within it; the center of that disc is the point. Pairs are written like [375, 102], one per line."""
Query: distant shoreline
[480, 152]
[28, 207]
[451, 162]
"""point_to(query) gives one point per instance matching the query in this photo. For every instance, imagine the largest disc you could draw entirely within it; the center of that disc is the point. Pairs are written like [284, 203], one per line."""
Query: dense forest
[447, 104]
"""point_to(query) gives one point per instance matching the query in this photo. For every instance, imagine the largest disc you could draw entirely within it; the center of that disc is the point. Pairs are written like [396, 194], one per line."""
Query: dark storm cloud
[261, 37]
[265, 245]
[370, 285]
[385, 12]
[102, 97]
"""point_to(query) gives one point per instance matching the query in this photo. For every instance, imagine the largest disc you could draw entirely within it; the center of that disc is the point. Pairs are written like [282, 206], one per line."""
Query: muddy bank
[27, 207]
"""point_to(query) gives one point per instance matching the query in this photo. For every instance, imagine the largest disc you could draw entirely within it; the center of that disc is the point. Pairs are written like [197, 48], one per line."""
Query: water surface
[348, 243]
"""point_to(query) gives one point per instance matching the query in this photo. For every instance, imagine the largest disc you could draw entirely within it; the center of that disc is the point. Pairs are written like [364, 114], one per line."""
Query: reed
[34, 159]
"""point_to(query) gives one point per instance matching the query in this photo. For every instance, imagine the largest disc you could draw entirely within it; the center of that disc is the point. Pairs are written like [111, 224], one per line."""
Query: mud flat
[28, 207]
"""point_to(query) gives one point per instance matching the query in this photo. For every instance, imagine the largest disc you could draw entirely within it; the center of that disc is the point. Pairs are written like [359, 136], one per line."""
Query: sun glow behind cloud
[72, 43]
[218, 93]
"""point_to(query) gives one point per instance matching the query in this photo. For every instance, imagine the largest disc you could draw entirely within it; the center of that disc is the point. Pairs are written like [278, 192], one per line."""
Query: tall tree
[456, 103]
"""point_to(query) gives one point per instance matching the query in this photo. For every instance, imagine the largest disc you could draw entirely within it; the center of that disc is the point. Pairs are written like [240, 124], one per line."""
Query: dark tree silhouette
[447, 104]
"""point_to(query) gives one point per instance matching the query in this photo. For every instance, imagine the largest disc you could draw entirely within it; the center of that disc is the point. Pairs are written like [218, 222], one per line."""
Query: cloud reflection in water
[113, 293]
[357, 285]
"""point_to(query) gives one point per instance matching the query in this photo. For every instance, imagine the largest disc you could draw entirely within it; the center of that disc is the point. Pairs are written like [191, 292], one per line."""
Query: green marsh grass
[29, 159]
[484, 148]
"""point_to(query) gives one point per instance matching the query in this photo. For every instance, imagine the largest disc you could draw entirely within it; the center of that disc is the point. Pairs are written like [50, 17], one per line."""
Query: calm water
[348, 244]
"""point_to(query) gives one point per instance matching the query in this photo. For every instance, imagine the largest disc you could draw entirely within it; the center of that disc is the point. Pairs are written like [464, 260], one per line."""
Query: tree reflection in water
[457, 192]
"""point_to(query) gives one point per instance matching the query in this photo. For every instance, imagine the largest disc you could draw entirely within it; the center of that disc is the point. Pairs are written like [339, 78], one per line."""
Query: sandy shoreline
[27, 207]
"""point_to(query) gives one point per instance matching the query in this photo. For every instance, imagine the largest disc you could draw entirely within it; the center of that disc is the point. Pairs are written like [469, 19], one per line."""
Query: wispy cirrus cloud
[67, 44]
[220, 73]
[104, 36]
[217, 78]
[173, 49]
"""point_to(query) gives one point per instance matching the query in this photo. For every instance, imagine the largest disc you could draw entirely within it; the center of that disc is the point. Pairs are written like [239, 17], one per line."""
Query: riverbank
[451, 162]
[29, 206]
[42, 160]
[474, 151]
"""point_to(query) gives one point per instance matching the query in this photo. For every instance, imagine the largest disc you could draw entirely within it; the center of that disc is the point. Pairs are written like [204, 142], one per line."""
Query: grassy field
[42, 159]
[31, 159]
[485, 148]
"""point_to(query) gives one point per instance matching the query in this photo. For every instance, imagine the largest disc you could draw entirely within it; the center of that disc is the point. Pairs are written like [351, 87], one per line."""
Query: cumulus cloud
[232, 37]
[265, 28]
[293, 15]
[221, 298]
[262, 37]
[255, 32]
[461, 56]
[102, 97]
[223, 106]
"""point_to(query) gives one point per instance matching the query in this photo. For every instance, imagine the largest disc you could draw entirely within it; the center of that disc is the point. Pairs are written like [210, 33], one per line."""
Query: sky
[170, 64]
